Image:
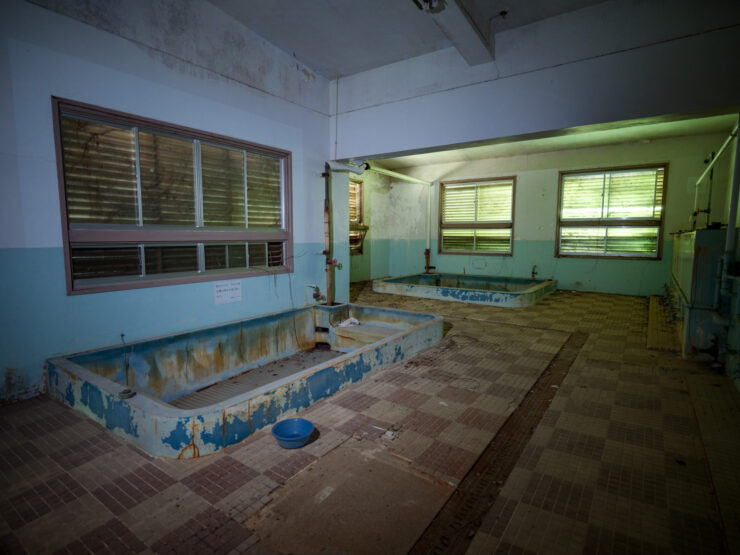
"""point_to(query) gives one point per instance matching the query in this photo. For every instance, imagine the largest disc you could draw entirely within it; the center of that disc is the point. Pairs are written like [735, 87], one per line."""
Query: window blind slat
[105, 262]
[99, 172]
[458, 239]
[477, 205]
[104, 192]
[618, 196]
[222, 172]
[264, 199]
[493, 240]
[494, 203]
[162, 260]
[167, 188]
[354, 202]
[582, 196]
[458, 204]
[257, 254]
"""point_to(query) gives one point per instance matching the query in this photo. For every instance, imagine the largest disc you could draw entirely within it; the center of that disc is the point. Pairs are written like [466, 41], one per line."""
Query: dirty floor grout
[635, 453]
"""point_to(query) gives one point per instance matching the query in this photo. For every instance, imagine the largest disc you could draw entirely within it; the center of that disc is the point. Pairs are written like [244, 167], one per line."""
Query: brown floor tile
[617, 464]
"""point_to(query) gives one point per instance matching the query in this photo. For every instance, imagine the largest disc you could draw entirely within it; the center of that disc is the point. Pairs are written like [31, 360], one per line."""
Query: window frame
[357, 226]
[117, 235]
[612, 222]
[497, 225]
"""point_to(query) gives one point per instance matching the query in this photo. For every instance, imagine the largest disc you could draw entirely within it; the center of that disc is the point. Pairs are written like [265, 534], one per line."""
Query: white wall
[376, 213]
[609, 62]
[536, 211]
[45, 54]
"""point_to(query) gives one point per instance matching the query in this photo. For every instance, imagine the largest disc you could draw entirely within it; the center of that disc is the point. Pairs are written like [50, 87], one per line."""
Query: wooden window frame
[358, 226]
[496, 225]
[117, 235]
[612, 222]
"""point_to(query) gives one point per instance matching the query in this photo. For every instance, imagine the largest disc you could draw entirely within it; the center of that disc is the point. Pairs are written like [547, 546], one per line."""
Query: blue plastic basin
[292, 432]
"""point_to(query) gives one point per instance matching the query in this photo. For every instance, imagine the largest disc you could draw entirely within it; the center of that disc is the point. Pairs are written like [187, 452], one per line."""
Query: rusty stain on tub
[223, 425]
[192, 446]
[264, 338]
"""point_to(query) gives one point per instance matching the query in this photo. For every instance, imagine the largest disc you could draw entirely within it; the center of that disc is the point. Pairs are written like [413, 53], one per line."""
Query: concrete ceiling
[524, 12]
[341, 37]
[633, 131]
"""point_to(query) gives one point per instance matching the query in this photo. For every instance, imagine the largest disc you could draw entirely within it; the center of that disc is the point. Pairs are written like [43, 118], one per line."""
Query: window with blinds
[611, 213]
[477, 216]
[146, 203]
[357, 230]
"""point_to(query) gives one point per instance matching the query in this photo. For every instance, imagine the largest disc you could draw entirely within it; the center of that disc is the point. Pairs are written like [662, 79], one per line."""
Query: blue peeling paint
[221, 436]
[267, 413]
[324, 383]
[487, 290]
[164, 434]
[115, 413]
[299, 397]
[53, 376]
[354, 370]
[379, 356]
[179, 437]
[69, 395]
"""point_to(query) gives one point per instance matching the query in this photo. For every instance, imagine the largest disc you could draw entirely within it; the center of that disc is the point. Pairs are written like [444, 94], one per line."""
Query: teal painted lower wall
[39, 320]
[373, 262]
[624, 277]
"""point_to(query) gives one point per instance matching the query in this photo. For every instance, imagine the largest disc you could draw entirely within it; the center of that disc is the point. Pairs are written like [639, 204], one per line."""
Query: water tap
[317, 294]
[534, 271]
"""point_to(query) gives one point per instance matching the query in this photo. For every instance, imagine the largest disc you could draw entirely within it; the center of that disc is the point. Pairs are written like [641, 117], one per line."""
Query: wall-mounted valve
[318, 296]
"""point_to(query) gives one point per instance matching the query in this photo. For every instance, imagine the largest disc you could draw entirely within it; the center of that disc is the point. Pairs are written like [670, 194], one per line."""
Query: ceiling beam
[467, 32]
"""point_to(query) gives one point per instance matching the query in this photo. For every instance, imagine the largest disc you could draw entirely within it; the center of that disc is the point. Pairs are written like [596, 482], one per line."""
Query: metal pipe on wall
[327, 237]
[397, 175]
[429, 217]
[709, 167]
[730, 236]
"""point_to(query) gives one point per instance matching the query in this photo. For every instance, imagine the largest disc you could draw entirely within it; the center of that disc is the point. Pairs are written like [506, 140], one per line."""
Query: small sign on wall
[227, 291]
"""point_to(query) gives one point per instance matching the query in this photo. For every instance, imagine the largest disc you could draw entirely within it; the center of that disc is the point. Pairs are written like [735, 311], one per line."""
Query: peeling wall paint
[373, 262]
[163, 430]
[45, 53]
[194, 35]
[468, 289]
[171, 367]
[535, 212]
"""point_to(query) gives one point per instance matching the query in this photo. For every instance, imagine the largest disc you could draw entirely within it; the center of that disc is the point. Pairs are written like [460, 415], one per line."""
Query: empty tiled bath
[192, 394]
[494, 291]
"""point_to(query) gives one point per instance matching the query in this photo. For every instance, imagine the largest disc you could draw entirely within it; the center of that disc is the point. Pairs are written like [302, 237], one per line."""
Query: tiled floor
[630, 457]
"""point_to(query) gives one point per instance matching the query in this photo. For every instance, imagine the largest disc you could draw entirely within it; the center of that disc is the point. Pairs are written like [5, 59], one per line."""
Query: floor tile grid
[566, 312]
[645, 486]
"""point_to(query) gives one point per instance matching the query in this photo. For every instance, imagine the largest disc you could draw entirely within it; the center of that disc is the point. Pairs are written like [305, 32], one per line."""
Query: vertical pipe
[327, 237]
[429, 217]
[732, 135]
[731, 225]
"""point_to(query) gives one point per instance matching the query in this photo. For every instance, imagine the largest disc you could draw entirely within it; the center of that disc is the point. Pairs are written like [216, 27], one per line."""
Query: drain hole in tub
[126, 393]
[320, 346]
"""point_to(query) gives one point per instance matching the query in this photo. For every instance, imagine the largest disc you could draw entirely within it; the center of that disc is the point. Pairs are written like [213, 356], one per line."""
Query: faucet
[534, 271]
[317, 295]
